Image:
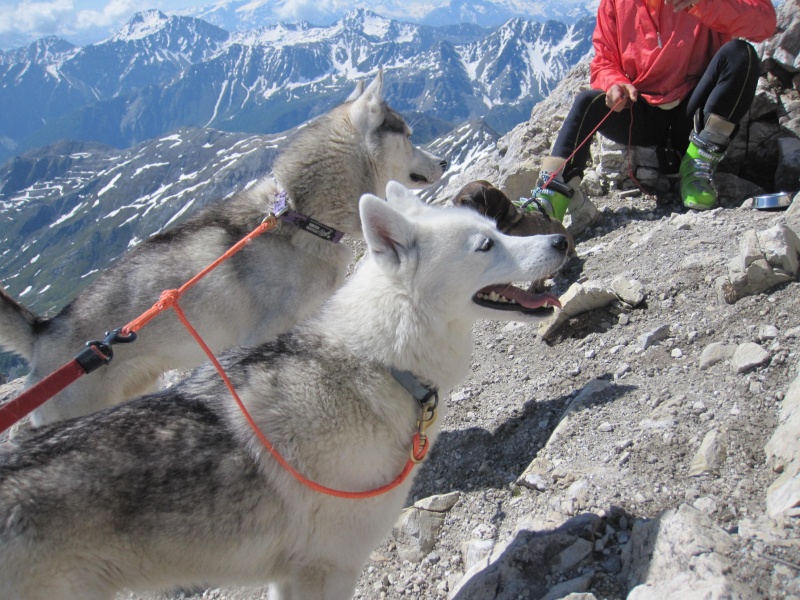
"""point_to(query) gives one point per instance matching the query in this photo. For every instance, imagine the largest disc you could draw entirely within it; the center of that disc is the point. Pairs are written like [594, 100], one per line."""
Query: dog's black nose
[559, 242]
[443, 164]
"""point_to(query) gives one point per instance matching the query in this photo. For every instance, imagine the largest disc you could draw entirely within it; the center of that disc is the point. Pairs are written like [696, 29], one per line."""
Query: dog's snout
[560, 242]
[443, 164]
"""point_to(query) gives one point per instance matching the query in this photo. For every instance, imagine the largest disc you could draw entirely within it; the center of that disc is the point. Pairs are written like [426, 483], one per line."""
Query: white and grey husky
[174, 488]
[281, 277]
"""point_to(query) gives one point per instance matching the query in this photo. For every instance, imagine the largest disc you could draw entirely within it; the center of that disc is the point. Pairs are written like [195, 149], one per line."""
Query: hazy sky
[76, 18]
[57, 16]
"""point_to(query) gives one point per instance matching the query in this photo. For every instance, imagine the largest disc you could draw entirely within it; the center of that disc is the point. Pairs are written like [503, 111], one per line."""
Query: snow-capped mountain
[162, 72]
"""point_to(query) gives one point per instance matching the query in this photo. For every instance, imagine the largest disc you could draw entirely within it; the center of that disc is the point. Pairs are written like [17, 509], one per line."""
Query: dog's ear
[404, 199]
[390, 235]
[367, 111]
[356, 92]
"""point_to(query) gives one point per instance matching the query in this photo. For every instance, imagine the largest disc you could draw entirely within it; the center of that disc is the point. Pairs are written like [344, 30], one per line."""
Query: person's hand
[620, 96]
[678, 5]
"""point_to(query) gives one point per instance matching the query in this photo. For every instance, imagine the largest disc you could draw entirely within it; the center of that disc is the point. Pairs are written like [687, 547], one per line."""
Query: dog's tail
[18, 327]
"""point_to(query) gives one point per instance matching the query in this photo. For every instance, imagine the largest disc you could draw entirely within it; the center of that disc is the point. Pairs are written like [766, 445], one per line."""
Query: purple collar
[305, 223]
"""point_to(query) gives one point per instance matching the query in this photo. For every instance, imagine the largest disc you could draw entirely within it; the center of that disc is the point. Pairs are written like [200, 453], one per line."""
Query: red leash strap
[99, 353]
[34, 397]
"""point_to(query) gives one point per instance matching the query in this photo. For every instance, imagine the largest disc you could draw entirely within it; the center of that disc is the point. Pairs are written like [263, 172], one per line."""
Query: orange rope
[169, 299]
[419, 452]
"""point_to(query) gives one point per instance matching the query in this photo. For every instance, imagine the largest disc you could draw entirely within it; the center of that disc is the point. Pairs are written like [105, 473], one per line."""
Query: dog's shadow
[476, 458]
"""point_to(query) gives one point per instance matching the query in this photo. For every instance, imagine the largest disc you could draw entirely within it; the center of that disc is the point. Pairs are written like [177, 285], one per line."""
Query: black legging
[726, 89]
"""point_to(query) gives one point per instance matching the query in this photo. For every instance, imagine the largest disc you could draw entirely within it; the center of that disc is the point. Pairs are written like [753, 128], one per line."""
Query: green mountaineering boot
[560, 198]
[555, 198]
[699, 164]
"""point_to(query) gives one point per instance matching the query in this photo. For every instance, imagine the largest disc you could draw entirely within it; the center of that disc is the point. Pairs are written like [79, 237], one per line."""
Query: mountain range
[159, 73]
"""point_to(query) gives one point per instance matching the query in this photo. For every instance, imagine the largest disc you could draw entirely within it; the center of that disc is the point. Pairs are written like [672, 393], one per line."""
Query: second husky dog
[277, 280]
[175, 488]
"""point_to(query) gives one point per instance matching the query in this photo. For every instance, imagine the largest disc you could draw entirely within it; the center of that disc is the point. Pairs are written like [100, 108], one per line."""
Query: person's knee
[585, 99]
[740, 52]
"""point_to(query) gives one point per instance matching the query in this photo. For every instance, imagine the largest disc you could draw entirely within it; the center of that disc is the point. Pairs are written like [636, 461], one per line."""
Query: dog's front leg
[316, 584]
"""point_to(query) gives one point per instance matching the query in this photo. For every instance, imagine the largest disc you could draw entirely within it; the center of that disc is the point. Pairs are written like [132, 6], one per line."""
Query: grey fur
[174, 488]
[277, 280]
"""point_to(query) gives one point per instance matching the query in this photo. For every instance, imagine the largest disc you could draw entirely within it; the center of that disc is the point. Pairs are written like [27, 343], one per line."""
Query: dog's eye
[488, 244]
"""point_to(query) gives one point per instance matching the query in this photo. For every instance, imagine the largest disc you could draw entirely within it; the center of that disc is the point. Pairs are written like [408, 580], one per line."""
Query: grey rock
[710, 456]
[571, 556]
[629, 291]
[653, 337]
[767, 333]
[714, 353]
[439, 503]
[780, 247]
[749, 356]
[476, 551]
[783, 452]
[682, 554]
[572, 588]
[416, 532]
[578, 299]
[787, 174]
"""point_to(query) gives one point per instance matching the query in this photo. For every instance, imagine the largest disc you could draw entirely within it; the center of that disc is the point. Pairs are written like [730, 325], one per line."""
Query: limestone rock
[578, 299]
[787, 174]
[749, 356]
[783, 496]
[418, 527]
[765, 259]
[780, 247]
[715, 353]
[710, 456]
[629, 291]
[681, 555]
[439, 502]
[659, 334]
[524, 564]
[572, 589]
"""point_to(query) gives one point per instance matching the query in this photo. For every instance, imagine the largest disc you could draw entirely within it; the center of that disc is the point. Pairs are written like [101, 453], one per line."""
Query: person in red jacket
[678, 71]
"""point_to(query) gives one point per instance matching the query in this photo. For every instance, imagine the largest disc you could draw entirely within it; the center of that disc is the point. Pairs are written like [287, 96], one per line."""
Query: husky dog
[281, 277]
[175, 489]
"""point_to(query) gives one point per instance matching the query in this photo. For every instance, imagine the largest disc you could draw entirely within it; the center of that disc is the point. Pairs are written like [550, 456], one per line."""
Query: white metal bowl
[778, 201]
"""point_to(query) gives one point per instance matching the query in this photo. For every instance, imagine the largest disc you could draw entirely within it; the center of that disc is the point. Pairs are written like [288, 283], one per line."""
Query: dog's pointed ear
[404, 199]
[367, 110]
[356, 92]
[390, 235]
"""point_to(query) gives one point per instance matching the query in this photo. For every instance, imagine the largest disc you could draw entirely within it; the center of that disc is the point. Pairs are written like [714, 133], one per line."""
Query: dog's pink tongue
[523, 298]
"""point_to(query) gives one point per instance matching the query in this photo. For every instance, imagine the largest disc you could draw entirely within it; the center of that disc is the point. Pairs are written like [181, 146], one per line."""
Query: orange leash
[169, 299]
[419, 441]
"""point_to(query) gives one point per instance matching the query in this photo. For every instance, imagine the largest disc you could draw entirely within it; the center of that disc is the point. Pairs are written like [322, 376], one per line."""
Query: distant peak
[152, 15]
[142, 24]
[360, 14]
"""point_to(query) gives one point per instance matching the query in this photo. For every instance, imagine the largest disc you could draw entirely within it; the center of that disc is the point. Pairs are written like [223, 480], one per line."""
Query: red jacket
[626, 42]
